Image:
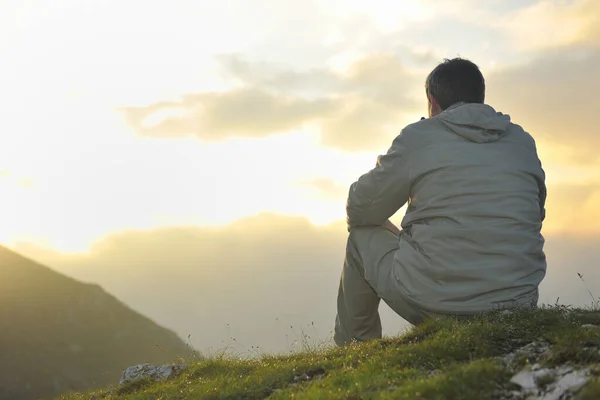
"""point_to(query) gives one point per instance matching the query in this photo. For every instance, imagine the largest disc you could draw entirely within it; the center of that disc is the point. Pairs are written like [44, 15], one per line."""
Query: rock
[303, 377]
[591, 326]
[525, 379]
[317, 373]
[540, 373]
[569, 382]
[533, 351]
[75, 348]
[563, 370]
[532, 381]
[153, 372]
[102, 395]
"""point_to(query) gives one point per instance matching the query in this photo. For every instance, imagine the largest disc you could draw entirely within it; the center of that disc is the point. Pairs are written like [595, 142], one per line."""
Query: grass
[441, 359]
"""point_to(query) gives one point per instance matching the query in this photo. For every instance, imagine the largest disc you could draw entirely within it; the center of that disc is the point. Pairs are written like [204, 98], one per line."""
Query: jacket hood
[478, 123]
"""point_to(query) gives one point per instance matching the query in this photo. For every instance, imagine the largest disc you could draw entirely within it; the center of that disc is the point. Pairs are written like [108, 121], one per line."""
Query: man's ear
[434, 106]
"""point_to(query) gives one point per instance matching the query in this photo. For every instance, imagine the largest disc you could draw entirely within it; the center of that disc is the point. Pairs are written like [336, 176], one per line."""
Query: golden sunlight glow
[386, 15]
[73, 171]
[549, 24]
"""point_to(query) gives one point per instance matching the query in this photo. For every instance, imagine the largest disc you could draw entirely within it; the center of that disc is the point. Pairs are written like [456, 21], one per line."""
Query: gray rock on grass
[156, 373]
[566, 380]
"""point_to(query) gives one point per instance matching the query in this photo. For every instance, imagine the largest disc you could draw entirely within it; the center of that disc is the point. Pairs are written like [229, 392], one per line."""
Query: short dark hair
[456, 80]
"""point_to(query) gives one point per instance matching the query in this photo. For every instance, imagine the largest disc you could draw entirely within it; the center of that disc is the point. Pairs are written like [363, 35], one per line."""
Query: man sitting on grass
[471, 238]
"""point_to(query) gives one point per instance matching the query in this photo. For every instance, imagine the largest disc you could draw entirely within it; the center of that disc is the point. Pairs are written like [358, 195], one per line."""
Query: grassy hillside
[59, 335]
[444, 359]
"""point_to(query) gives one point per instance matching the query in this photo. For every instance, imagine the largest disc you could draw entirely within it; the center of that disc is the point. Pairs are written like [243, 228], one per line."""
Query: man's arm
[543, 194]
[392, 228]
[541, 181]
[379, 193]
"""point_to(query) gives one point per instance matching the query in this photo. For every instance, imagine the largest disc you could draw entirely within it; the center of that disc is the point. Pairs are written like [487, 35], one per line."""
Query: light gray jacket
[476, 192]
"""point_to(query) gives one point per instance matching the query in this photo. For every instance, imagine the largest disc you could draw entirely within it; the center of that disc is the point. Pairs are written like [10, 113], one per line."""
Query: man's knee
[360, 235]
[361, 239]
[358, 241]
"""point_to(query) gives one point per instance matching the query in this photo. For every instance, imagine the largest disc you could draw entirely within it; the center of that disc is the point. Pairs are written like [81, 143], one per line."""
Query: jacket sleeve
[379, 193]
[541, 181]
[543, 194]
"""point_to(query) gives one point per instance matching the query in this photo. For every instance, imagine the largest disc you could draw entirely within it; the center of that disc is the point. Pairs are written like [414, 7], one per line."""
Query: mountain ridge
[58, 334]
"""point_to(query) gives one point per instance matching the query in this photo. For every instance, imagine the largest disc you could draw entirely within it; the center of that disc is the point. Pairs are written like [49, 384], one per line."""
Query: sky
[180, 146]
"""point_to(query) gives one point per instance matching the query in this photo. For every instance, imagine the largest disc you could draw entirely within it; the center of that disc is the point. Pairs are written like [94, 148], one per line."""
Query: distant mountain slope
[58, 334]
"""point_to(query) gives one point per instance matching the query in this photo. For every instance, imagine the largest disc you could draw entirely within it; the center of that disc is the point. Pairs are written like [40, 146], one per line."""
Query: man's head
[453, 81]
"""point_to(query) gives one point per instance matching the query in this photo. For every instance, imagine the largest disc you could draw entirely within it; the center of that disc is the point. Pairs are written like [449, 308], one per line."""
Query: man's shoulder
[419, 133]
[425, 124]
[429, 129]
[517, 133]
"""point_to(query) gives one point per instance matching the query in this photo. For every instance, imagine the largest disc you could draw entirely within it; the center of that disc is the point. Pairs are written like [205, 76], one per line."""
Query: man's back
[471, 236]
[471, 239]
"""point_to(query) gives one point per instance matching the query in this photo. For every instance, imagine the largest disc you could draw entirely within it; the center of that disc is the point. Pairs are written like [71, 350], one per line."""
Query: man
[470, 239]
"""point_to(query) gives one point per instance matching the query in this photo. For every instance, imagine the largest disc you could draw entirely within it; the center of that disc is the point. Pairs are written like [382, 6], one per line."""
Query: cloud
[249, 112]
[361, 109]
[249, 280]
[529, 25]
[363, 106]
[567, 255]
[546, 87]
[328, 189]
[278, 78]
[573, 209]
[254, 278]
[9, 178]
[548, 24]
[364, 124]
[382, 77]
[554, 96]
[591, 34]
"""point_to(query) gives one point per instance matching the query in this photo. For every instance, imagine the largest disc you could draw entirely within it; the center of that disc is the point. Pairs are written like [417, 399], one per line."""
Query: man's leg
[357, 304]
[365, 280]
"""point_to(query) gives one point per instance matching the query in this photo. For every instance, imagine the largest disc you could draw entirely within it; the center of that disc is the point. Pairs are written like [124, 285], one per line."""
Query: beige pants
[368, 270]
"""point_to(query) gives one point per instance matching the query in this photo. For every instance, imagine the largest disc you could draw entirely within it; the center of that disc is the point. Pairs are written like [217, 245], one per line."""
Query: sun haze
[125, 120]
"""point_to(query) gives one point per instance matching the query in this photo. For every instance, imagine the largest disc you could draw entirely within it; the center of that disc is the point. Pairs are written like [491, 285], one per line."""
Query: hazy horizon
[229, 288]
[193, 158]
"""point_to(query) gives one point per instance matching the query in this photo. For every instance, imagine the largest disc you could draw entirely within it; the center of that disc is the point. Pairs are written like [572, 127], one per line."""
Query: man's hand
[391, 227]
